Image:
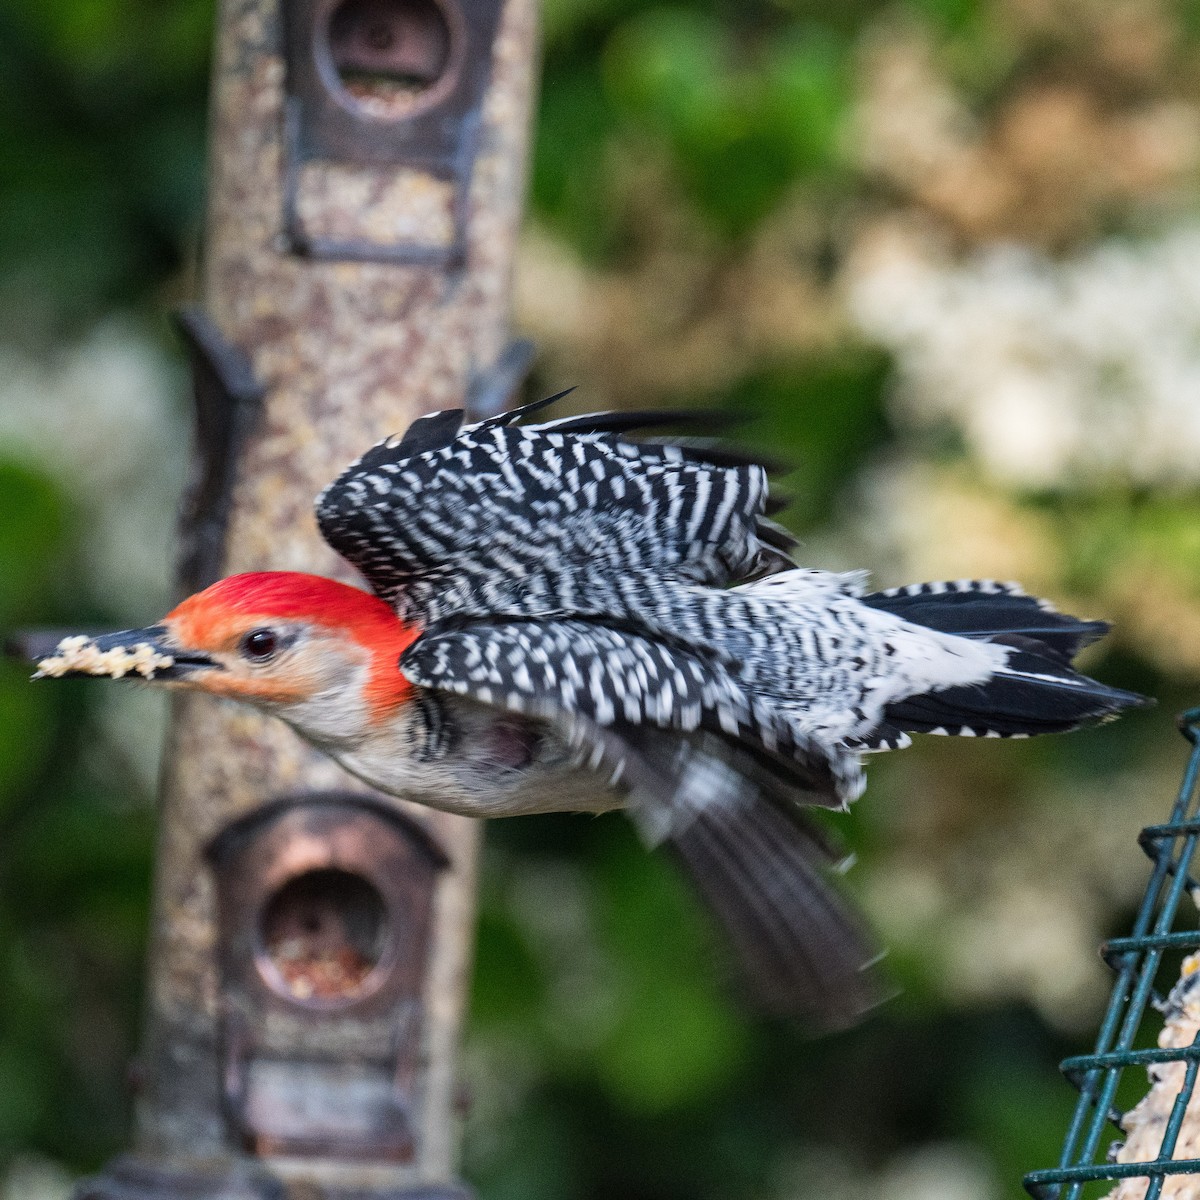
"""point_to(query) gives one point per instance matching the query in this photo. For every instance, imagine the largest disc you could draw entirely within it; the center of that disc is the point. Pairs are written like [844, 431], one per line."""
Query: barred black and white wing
[681, 737]
[599, 676]
[500, 518]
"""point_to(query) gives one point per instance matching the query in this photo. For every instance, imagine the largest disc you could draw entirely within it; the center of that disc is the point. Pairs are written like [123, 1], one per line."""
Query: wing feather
[501, 518]
[731, 820]
[765, 875]
[611, 677]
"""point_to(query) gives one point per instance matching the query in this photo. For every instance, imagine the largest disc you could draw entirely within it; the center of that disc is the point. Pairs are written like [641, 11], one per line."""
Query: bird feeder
[323, 930]
[1153, 1150]
[311, 941]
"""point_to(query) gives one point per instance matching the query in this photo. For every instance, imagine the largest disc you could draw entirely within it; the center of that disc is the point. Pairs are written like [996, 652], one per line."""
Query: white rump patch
[806, 583]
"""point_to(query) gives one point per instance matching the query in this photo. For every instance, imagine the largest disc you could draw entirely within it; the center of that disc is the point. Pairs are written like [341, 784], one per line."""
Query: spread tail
[1036, 690]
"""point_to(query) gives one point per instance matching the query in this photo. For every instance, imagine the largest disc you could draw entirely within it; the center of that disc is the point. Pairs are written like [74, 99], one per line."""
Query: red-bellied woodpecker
[565, 619]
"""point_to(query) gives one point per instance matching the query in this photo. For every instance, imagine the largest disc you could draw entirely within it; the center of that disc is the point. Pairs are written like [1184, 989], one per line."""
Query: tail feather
[1031, 693]
[984, 610]
[1010, 706]
[1036, 690]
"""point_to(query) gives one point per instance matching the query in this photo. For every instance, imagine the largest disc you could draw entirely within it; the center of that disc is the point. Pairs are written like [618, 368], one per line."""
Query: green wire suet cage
[1141, 963]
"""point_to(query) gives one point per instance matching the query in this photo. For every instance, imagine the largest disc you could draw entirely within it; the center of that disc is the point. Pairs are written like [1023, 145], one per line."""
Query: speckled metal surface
[348, 352]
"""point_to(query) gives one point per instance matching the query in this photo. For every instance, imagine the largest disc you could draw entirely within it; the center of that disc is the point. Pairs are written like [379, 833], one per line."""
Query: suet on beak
[141, 652]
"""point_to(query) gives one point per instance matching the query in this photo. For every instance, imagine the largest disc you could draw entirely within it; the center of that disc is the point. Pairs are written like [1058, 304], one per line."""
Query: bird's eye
[260, 644]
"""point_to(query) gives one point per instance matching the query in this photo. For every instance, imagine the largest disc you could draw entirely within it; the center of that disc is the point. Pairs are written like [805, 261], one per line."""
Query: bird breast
[458, 756]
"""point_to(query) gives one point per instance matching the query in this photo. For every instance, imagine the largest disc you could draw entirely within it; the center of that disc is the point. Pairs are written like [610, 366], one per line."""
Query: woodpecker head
[320, 654]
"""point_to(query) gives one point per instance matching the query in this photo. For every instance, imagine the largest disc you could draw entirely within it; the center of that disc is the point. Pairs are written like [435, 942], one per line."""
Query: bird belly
[468, 781]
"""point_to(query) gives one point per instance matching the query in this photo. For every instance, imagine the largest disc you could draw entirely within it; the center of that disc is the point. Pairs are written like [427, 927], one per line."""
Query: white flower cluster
[1056, 373]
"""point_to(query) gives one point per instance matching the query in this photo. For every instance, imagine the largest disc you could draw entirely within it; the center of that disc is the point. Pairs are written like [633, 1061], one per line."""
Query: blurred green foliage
[747, 99]
[843, 427]
[610, 1054]
[74, 854]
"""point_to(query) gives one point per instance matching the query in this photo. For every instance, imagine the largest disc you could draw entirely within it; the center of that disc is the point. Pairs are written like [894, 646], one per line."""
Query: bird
[586, 614]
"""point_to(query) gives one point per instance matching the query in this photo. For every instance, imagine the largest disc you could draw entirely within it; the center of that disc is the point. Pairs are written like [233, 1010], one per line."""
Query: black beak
[131, 653]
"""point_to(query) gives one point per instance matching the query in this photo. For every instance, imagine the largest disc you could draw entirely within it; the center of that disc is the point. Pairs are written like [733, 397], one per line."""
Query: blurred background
[945, 255]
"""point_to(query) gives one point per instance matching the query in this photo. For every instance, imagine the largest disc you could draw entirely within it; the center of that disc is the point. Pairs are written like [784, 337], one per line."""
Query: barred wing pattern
[496, 518]
[561, 671]
[655, 721]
